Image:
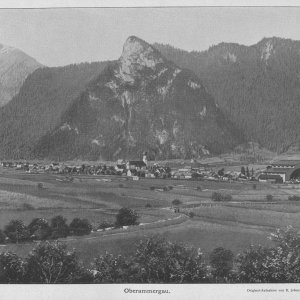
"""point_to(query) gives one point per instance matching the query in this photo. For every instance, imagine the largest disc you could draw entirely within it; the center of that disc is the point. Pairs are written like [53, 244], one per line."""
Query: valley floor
[247, 219]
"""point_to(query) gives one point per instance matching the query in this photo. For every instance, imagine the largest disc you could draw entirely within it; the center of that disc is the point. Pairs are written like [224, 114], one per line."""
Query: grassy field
[247, 219]
[200, 234]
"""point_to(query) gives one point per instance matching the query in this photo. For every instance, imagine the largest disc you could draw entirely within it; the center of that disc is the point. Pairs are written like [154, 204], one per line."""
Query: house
[120, 168]
[272, 178]
[136, 165]
[286, 169]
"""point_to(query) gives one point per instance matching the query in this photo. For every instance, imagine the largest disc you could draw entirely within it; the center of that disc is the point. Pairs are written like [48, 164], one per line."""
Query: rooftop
[286, 162]
[278, 170]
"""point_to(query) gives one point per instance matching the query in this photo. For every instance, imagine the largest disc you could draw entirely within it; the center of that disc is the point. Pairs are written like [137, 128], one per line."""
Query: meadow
[247, 219]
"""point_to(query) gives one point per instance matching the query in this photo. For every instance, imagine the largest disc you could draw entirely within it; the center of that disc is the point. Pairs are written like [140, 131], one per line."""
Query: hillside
[15, 66]
[257, 87]
[39, 106]
[142, 102]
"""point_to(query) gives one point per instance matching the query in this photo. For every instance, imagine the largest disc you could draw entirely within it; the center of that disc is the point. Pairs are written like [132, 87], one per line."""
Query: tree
[12, 268]
[59, 227]
[221, 172]
[176, 202]
[252, 172]
[251, 265]
[160, 261]
[155, 261]
[114, 269]
[51, 262]
[2, 237]
[221, 260]
[125, 217]
[80, 226]
[272, 265]
[218, 197]
[247, 172]
[39, 229]
[16, 231]
[269, 197]
[243, 171]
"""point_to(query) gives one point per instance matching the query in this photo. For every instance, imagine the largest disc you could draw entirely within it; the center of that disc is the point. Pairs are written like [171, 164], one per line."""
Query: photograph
[150, 149]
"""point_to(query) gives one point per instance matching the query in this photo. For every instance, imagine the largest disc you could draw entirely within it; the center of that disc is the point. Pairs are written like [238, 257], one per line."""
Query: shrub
[105, 224]
[12, 268]
[176, 202]
[121, 185]
[269, 198]
[160, 261]
[51, 262]
[152, 188]
[16, 231]
[254, 186]
[294, 198]
[80, 226]
[125, 217]
[220, 197]
[59, 227]
[148, 205]
[191, 214]
[39, 229]
[199, 188]
[216, 196]
[279, 264]
[113, 269]
[40, 185]
[227, 198]
[27, 206]
[155, 261]
[165, 188]
[170, 187]
[221, 261]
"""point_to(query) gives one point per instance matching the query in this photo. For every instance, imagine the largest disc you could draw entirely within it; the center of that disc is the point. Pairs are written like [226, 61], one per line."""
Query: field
[247, 219]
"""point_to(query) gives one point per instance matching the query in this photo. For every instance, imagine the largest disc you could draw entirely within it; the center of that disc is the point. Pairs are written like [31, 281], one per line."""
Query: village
[277, 172]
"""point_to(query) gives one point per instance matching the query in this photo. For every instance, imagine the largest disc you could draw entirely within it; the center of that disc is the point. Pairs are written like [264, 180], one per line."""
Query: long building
[283, 170]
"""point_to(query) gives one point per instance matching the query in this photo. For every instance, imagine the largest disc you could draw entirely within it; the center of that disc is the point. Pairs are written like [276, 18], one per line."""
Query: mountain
[257, 87]
[141, 102]
[39, 106]
[15, 66]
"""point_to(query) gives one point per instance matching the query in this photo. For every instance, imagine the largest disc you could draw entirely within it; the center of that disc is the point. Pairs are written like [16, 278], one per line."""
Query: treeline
[40, 229]
[156, 260]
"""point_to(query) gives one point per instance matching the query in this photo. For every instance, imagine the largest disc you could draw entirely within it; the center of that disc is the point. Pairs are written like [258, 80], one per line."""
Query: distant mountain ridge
[257, 87]
[118, 109]
[15, 66]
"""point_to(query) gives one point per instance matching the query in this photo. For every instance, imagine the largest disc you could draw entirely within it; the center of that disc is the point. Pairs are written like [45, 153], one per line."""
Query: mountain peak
[138, 54]
[134, 45]
[15, 66]
[6, 49]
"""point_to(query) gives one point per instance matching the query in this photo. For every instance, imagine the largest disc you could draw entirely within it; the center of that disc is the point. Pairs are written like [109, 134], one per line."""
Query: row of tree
[40, 229]
[157, 260]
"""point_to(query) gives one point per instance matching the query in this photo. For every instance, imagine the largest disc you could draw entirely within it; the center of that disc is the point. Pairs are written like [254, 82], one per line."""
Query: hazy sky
[63, 36]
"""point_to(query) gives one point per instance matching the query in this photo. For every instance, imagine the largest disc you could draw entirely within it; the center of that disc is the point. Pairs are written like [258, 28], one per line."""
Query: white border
[115, 292]
[176, 292]
[141, 3]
